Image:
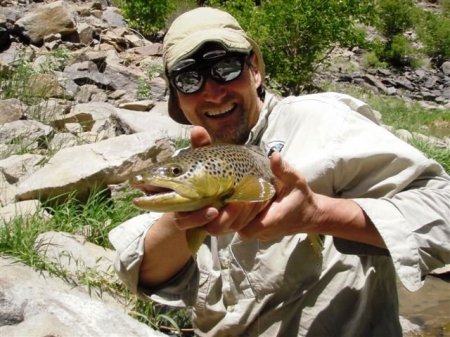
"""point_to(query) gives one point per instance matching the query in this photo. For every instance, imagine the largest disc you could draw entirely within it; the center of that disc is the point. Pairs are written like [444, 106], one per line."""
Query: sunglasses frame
[203, 66]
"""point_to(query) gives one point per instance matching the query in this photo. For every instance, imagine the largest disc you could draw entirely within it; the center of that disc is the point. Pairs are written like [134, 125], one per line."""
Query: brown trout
[207, 176]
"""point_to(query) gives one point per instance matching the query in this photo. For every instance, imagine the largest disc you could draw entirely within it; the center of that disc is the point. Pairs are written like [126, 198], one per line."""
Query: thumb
[200, 137]
[284, 172]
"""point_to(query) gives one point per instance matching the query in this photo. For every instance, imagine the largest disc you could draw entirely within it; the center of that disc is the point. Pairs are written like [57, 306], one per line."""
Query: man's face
[228, 111]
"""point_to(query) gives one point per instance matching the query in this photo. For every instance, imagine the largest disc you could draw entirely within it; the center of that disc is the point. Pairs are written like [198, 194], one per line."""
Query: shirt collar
[256, 132]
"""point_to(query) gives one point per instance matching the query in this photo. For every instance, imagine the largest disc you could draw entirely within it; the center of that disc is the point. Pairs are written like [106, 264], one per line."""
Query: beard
[236, 133]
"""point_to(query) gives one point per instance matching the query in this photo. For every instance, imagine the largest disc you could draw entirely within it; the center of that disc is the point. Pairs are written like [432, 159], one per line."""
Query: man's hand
[295, 207]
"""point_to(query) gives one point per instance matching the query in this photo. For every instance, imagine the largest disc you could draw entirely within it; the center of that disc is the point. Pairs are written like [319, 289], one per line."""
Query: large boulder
[34, 304]
[49, 19]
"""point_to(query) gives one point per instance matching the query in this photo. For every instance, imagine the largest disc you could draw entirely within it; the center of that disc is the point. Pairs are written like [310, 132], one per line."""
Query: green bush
[295, 36]
[400, 52]
[147, 16]
[394, 16]
[434, 32]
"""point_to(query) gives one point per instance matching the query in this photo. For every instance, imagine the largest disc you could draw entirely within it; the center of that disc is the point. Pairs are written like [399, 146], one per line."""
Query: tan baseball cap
[190, 31]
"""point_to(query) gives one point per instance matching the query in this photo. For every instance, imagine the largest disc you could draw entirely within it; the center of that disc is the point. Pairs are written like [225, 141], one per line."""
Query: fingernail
[211, 213]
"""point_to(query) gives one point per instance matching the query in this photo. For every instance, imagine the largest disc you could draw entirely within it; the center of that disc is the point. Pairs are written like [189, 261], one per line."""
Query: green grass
[94, 218]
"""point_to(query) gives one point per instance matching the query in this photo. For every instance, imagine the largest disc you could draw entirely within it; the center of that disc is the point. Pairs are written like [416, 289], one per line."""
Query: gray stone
[18, 167]
[110, 161]
[10, 110]
[48, 19]
[446, 68]
[36, 305]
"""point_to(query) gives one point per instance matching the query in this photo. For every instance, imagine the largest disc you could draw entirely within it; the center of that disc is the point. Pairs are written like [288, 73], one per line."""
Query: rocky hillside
[90, 110]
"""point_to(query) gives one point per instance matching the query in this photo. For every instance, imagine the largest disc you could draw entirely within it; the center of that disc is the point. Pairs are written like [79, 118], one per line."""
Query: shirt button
[226, 263]
[230, 308]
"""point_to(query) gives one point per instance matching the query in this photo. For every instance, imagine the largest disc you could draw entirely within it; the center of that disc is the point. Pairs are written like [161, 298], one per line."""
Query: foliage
[442, 156]
[393, 19]
[33, 83]
[147, 16]
[394, 16]
[295, 36]
[400, 52]
[94, 218]
[434, 32]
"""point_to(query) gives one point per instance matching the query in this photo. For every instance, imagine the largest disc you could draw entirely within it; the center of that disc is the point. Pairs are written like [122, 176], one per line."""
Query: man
[381, 207]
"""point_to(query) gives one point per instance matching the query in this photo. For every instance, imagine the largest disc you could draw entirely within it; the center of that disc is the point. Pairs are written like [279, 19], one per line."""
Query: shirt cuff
[128, 240]
[398, 237]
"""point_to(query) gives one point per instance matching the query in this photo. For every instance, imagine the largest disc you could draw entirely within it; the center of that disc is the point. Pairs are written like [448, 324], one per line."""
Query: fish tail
[195, 238]
[316, 243]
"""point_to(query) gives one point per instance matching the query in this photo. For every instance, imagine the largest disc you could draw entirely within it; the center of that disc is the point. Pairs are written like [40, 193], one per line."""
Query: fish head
[180, 184]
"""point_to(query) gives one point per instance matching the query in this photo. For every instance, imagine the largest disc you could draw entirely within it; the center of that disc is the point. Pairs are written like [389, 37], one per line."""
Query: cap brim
[230, 39]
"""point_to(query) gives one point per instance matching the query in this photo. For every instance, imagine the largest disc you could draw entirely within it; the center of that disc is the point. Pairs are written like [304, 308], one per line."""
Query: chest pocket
[287, 266]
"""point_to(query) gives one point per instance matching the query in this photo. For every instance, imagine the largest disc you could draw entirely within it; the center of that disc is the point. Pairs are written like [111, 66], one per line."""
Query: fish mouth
[140, 183]
[218, 113]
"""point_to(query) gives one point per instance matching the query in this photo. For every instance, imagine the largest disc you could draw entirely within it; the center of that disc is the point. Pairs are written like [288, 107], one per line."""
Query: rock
[110, 161]
[23, 209]
[113, 17]
[441, 271]
[86, 114]
[48, 19]
[44, 86]
[26, 134]
[137, 121]
[34, 304]
[7, 191]
[85, 33]
[10, 110]
[73, 253]
[446, 68]
[62, 140]
[144, 105]
[18, 167]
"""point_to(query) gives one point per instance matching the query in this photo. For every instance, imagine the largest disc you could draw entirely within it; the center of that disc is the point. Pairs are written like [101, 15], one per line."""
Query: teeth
[219, 112]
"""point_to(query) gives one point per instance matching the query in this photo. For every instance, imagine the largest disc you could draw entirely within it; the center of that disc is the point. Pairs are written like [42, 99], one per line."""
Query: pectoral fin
[316, 243]
[195, 238]
[251, 189]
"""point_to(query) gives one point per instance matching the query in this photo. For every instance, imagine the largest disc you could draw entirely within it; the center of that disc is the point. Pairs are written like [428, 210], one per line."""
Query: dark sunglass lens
[188, 82]
[227, 69]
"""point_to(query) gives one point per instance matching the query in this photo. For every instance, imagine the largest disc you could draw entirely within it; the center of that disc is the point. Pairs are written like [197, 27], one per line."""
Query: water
[428, 307]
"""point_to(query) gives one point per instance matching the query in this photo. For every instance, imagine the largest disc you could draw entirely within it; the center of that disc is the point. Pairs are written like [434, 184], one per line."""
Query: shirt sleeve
[405, 195]
[334, 142]
[128, 240]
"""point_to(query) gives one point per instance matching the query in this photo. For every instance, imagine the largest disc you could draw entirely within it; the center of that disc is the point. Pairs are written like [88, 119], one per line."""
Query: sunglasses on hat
[188, 76]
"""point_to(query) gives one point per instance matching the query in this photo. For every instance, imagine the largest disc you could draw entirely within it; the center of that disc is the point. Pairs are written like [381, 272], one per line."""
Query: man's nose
[213, 91]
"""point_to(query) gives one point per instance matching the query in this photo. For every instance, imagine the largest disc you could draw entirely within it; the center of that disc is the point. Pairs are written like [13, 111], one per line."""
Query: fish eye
[175, 170]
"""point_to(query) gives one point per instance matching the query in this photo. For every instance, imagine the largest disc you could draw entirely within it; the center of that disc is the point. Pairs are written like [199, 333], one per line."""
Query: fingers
[200, 137]
[222, 223]
[187, 220]
[234, 217]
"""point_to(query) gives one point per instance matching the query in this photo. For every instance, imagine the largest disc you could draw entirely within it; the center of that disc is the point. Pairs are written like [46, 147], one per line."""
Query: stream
[428, 307]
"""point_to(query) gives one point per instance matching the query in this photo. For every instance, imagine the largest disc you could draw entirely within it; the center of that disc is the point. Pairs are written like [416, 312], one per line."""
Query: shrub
[434, 32]
[394, 16]
[399, 52]
[147, 16]
[295, 36]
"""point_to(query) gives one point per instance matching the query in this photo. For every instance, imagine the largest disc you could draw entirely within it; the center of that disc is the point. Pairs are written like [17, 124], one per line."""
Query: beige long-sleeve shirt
[282, 287]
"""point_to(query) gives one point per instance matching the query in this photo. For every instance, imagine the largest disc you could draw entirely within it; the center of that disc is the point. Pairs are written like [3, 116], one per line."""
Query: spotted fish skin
[206, 176]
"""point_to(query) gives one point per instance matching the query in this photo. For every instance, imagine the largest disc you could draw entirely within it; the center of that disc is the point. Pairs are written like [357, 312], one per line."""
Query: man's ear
[254, 68]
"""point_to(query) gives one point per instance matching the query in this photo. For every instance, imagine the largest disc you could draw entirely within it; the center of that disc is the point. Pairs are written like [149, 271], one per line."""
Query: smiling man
[381, 207]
